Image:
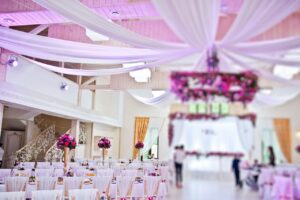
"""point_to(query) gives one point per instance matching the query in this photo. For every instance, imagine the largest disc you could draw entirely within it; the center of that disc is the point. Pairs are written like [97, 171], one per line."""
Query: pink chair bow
[151, 198]
[123, 198]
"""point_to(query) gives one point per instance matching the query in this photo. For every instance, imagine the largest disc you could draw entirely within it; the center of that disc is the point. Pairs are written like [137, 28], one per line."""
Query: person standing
[179, 157]
[1, 155]
[236, 170]
[272, 157]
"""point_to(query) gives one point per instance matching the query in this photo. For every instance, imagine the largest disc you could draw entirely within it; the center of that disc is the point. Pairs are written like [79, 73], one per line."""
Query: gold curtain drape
[140, 130]
[283, 132]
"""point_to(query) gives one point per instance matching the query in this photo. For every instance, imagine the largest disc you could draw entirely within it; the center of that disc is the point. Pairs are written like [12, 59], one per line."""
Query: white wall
[110, 104]
[113, 133]
[132, 109]
[30, 76]
[290, 110]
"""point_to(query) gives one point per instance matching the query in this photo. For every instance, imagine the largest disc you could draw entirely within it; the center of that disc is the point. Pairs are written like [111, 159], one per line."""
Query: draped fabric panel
[91, 20]
[256, 17]
[195, 22]
[283, 132]
[140, 130]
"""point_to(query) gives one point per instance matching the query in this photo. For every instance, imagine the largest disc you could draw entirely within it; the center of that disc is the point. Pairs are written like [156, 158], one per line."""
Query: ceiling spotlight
[115, 13]
[64, 86]
[7, 21]
[12, 61]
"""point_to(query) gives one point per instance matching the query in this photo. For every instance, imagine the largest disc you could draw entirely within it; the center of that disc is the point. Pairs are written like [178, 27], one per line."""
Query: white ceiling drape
[84, 16]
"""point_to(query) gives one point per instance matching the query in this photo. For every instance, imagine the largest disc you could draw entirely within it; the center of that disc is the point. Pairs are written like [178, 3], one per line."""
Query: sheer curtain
[140, 131]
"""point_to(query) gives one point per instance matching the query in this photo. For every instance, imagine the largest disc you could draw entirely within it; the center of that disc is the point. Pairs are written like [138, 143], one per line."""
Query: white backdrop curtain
[246, 133]
[154, 129]
[268, 135]
[81, 14]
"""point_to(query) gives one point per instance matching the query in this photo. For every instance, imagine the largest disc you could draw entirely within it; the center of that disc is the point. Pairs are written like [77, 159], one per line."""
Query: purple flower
[104, 143]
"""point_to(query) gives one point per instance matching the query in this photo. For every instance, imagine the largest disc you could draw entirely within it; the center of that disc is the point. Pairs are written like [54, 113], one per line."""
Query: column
[75, 131]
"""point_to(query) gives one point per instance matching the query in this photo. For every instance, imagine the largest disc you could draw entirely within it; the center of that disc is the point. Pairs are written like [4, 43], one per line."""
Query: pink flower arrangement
[66, 140]
[191, 86]
[139, 145]
[104, 143]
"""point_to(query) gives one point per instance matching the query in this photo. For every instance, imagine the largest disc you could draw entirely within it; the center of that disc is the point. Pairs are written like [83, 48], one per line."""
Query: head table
[120, 180]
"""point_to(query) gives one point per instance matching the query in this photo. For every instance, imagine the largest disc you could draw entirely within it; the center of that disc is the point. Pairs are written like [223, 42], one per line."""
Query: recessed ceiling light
[8, 21]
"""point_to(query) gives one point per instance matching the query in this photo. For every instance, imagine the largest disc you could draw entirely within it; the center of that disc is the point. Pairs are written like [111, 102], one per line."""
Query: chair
[58, 172]
[265, 182]
[73, 183]
[81, 172]
[138, 190]
[297, 188]
[58, 165]
[25, 172]
[48, 195]
[124, 183]
[105, 172]
[86, 194]
[283, 188]
[43, 165]
[102, 183]
[15, 184]
[129, 172]
[162, 191]
[151, 183]
[43, 172]
[28, 165]
[12, 195]
[46, 183]
[3, 174]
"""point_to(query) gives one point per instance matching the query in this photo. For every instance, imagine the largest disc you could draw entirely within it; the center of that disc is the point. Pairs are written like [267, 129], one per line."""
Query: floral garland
[104, 143]
[205, 86]
[191, 117]
[66, 140]
[139, 145]
[215, 153]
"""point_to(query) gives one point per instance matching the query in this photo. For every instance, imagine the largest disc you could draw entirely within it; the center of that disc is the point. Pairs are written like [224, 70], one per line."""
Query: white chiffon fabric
[257, 16]
[195, 22]
[80, 194]
[12, 195]
[15, 184]
[48, 195]
[91, 20]
[246, 133]
[46, 183]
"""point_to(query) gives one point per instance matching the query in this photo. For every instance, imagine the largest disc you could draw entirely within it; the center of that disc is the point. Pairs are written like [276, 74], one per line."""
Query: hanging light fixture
[12, 61]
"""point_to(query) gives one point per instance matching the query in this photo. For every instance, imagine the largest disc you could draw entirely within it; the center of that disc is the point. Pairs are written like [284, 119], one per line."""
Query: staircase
[43, 147]
[33, 150]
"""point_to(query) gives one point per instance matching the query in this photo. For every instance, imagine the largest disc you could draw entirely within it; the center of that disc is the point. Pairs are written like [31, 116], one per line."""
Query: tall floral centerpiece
[139, 145]
[66, 143]
[103, 144]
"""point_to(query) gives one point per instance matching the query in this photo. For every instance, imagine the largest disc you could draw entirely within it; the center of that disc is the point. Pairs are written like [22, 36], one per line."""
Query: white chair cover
[124, 184]
[83, 194]
[12, 195]
[283, 188]
[58, 172]
[58, 165]
[43, 172]
[15, 184]
[46, 183]
[3, 174]
[162, 190]
[73, 183]
[151, 185]
[102, 183]
[26, 172]
[138, 190]
[129, 172]
[28, 165]
[297, 188]
[164, 172]
[105, 172]
[43, 165]
[48, 195]
[117, 170]
[81, 172]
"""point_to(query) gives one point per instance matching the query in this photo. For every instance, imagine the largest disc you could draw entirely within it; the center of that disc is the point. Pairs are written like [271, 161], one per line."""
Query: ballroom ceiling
[137, 15]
